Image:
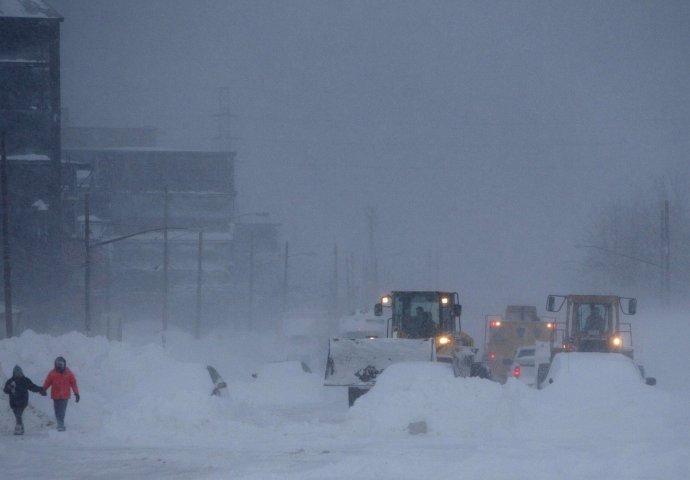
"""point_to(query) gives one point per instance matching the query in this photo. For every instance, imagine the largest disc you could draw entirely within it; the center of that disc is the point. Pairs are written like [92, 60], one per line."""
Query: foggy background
[489, 137]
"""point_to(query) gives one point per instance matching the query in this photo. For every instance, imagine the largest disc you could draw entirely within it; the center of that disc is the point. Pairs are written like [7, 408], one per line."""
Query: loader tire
[479, 370]
[542, 373]
[353, 393]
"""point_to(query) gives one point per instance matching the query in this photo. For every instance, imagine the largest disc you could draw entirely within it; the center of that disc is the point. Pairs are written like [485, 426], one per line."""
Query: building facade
[140, 191]
[30, 123]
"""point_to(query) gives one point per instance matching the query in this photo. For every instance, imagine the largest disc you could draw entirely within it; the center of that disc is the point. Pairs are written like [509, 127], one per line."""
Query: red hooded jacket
[61, 383]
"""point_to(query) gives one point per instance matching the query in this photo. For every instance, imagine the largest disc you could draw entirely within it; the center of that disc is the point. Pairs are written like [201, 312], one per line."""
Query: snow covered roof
[29, 157]
[147, 149]
[28, 9]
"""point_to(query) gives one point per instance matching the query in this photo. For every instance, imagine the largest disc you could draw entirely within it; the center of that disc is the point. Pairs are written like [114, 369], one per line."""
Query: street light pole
[251, 280]
[285, 279]
[335, 281]
[666, 253]
[165, 263]
[87, 275]
[6, 258]
[199, 280]
[87, 265]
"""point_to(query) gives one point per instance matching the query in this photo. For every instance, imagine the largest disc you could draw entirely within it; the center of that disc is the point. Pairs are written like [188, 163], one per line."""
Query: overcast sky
[487, 132]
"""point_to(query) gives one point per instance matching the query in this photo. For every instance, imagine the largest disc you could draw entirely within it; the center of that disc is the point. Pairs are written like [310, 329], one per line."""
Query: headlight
[616, 341]
[386, 300]
[444, 300]
[495, 323]
[443, 340]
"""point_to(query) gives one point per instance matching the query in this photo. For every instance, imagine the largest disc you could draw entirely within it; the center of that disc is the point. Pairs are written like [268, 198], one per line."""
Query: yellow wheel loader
[423, 326]
[593, 324]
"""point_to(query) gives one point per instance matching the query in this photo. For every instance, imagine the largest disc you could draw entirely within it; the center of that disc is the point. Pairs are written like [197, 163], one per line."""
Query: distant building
[128, 188]
[30, 120]
[127, 181]
[108, 137]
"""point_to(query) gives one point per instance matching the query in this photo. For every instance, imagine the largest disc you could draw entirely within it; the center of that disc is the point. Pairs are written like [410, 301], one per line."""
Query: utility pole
[666, 254]
[373, 264]
[349, 284]
[199, 280]
[251, 279]
[166, 260]
[285, 279]
[6, 257]
[108, 293]
[87, 265]
[224, 117]
[335, 281]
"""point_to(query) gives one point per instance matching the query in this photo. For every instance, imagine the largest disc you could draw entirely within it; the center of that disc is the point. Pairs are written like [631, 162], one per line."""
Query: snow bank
[596, 420]
[413, 392]
[661, 345]
[605, 395]
[142, 393]
[280, 383]
[124, 389]
[593, 395]
[236, 355]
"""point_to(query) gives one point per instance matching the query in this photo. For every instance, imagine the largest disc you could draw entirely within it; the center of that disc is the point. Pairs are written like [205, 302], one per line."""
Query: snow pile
[142, 393]
[236, 355]
[413, 392]
[661, 345]
[124, 389]
[592, 395]
[596, 420]
[605, 395]
[280, 383]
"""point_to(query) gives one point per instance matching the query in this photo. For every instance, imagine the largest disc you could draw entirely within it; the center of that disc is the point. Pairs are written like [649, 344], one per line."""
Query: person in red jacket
[60, 380]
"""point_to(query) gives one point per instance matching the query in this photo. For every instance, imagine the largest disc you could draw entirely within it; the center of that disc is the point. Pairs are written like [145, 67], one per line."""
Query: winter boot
[19, 429]
[61, 427]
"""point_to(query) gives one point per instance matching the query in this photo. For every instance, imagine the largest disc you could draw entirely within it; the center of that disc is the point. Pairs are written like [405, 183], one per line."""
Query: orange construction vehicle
[520, 327]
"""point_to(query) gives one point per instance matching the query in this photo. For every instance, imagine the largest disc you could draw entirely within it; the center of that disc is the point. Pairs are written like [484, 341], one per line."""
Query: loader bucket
[356, 362]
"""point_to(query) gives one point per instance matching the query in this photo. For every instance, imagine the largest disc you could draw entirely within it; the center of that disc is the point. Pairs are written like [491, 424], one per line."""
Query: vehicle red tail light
[492, 356]
[516, 372]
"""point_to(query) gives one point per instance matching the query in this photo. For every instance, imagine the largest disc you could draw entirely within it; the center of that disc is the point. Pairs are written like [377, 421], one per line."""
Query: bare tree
[628, 246]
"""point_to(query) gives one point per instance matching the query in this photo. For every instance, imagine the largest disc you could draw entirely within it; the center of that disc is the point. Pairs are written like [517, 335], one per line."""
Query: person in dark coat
[61, 382]
[18, 388]
[422, 326]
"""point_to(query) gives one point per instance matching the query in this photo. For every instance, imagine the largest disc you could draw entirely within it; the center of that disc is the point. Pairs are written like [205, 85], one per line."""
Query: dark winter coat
[18, 390]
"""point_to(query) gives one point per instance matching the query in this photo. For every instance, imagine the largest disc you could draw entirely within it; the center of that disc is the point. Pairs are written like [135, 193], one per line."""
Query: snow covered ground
[146, 412]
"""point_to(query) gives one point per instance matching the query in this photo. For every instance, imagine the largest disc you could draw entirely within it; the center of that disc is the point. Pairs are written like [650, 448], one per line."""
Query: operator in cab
[421, 324]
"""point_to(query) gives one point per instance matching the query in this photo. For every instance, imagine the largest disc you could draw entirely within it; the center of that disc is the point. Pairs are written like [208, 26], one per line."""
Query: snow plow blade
[356, 362]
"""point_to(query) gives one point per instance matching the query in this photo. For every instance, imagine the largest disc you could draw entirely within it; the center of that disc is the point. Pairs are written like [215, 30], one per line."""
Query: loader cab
[593, 318]
[593, 322]
[419, 314]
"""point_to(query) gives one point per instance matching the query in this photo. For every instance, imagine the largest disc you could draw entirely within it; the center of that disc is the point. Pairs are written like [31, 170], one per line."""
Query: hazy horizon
[485, 134]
